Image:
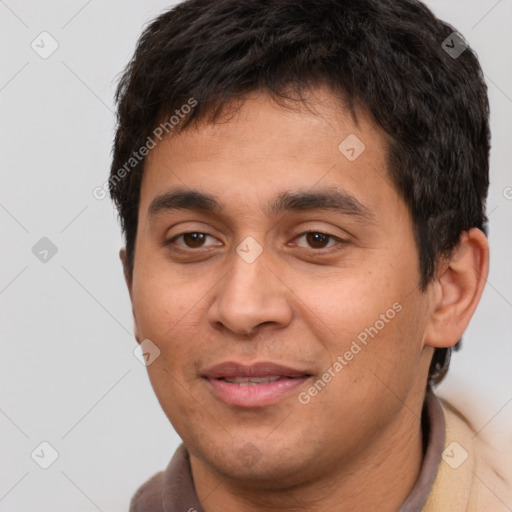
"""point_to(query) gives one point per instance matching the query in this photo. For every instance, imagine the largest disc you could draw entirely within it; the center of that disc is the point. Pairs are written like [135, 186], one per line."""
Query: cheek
[168, 316]
[375, 325]
[344, 308]
[161, 303]
[394, 355]
[168, 323]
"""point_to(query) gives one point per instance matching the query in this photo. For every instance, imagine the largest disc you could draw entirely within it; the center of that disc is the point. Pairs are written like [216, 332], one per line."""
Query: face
[276, 271]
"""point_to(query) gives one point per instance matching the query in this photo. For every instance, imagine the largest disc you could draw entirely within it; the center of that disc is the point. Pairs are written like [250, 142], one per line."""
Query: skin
[357, 445]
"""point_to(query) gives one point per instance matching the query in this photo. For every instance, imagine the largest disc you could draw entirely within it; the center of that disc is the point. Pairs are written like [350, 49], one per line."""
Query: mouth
[253, 386]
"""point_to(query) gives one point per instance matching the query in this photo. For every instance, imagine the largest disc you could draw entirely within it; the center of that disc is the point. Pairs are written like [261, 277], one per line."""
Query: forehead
[259, 119]
[266, 147]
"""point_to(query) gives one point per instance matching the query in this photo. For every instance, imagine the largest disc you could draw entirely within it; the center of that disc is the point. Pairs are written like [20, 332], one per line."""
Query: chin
[259, 463]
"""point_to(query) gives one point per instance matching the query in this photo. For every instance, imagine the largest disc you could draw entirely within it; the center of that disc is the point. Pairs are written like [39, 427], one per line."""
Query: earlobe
[456, 291]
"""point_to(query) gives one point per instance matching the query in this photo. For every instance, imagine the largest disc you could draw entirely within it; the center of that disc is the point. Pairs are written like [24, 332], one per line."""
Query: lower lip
[254, 395]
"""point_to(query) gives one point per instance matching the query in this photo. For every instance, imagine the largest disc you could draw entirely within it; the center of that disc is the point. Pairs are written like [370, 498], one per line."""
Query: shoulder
[148, 497]
[170, 490]
[472, 476]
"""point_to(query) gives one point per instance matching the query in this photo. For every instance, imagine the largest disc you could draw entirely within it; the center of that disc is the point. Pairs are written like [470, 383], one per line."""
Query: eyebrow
[330, 200]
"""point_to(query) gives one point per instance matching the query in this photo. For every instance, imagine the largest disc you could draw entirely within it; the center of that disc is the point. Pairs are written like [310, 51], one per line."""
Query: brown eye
[317, 240]
[321, 243]
[194, 240]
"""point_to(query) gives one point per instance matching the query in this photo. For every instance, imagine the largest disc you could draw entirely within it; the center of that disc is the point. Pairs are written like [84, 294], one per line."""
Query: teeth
[248, 381]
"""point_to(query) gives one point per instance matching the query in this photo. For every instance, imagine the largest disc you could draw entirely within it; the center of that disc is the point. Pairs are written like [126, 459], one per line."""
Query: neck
[380, 477]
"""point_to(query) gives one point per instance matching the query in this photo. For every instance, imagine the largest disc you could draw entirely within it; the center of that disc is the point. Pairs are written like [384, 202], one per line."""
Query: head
[270, 119]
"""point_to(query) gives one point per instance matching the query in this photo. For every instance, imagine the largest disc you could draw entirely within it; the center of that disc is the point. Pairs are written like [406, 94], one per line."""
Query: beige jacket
[470, 477]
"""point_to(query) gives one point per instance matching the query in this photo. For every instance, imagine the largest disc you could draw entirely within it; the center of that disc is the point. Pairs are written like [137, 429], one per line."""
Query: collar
[434, 428]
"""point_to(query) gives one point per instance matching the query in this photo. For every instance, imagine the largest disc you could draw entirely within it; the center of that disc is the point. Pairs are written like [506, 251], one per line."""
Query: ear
[128, 275]
[457, 289]
[126, 270]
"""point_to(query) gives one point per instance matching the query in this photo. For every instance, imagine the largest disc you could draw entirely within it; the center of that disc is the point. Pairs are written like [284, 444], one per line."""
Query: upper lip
[231, 369]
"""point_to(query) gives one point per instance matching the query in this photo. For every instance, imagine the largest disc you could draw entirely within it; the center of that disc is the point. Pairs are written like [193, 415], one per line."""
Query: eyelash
[324, 250]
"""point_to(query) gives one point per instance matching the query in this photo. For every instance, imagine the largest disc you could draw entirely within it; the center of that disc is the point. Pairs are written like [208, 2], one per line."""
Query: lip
[253, 395]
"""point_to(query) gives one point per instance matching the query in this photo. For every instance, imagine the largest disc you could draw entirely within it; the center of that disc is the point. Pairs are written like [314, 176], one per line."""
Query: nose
[249, 296]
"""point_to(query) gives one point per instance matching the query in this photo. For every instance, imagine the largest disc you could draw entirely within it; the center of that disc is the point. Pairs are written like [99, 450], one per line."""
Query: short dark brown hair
[387, 57]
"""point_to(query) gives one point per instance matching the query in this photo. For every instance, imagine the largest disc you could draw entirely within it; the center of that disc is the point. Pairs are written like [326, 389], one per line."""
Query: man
[302, 191]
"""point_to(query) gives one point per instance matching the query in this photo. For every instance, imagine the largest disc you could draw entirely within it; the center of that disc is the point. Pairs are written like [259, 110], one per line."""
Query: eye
[318, 240]
[191, 240]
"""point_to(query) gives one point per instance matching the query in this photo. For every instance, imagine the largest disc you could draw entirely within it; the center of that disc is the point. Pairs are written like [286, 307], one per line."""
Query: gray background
[67, 372]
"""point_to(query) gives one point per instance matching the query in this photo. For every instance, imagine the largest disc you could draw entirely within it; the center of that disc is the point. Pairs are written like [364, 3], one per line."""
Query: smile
[257, 385]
